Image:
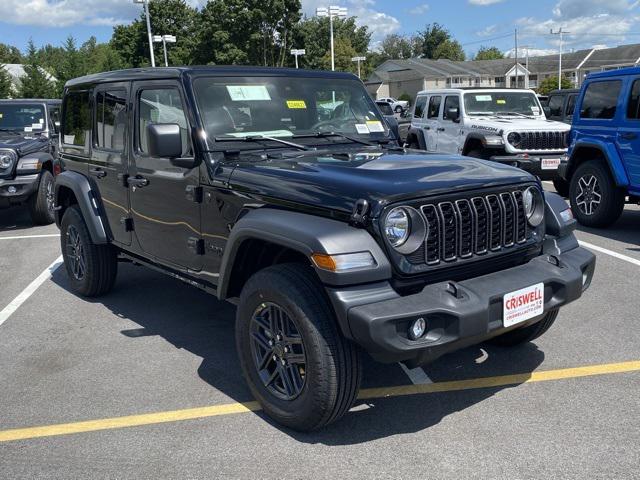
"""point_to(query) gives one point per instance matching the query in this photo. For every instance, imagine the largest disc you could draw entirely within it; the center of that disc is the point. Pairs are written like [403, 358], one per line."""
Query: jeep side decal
[482, 127]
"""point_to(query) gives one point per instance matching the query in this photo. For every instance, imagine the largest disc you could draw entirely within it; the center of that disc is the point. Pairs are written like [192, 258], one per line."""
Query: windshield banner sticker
[362, 129]
[244, 93]
[296, 104]
[375, 126]
[483, 98]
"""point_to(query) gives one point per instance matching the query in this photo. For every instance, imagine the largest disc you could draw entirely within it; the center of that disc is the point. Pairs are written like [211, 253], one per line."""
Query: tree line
[222, 32]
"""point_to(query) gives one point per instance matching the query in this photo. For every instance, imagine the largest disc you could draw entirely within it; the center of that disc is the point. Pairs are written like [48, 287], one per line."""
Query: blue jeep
[602, 168]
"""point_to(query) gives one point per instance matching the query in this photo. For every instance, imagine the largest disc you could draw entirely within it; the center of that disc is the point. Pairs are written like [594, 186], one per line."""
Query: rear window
[634, 101]
[434, 107]
[76, 124]
[600, 99]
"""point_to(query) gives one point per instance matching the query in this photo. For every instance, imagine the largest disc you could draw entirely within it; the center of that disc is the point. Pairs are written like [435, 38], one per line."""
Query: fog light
[12, 189]
[417, 328]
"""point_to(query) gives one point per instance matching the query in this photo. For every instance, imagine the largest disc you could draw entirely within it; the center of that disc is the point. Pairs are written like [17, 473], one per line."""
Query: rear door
[431, 122]
[628, 137]
[448, 129]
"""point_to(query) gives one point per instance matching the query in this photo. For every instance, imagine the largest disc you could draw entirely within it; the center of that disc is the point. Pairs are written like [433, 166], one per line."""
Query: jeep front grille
[474, 226]
[541, 141]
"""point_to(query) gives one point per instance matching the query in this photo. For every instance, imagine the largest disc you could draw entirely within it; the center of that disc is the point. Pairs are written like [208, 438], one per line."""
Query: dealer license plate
[523, 304]
[550, 163]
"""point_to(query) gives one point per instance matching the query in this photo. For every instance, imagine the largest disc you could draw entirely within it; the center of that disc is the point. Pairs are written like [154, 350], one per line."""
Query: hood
[516, 124]
[22, 144]
[337, 180]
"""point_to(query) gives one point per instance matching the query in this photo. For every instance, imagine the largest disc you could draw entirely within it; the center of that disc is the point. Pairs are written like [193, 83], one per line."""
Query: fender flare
[88, 201]
[419, 134]
[306, 234]
[29, 162]
[476, 136]
[611, 156]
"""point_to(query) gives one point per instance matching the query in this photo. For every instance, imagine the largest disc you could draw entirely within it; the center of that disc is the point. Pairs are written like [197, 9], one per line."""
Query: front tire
[298, 365]
[41, 202]
[91, 268]
[595, 199]
[399, 109]
[526, 334]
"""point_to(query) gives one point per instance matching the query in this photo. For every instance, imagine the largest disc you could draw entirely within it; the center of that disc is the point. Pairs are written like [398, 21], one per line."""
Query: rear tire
[283, 309]
[399, 109]
[595, 199]
[562, 187]
[526, 334]
[41, 203]
[91, 268]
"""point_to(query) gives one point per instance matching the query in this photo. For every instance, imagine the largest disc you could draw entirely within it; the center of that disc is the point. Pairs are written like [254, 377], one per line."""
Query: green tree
[99, 57]
[436, 42]
[551, 83]
[489, 53]
[6, 85]
[36, 82]
[396, 46]
[343, 53]
[10, 54]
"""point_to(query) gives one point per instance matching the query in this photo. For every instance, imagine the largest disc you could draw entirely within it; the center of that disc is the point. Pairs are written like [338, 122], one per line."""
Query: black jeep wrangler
[284, 192]
[28, 155]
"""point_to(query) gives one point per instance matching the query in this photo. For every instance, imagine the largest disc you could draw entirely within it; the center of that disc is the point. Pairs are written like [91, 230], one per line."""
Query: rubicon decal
[523, 304]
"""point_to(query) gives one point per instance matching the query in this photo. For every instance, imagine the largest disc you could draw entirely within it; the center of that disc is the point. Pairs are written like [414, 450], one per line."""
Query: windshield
[22, 117]
[501, 103]
[285, 107]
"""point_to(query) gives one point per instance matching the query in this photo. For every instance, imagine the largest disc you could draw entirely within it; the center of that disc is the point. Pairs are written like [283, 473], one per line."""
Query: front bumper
[24, 185]
[531, 163]
[458, 314]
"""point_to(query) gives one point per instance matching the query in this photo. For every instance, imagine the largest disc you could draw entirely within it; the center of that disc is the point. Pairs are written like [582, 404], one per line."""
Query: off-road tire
[562, 187]
[612, 197]
[41, 202]
[333, 368]
[100, 261]
[526, 334]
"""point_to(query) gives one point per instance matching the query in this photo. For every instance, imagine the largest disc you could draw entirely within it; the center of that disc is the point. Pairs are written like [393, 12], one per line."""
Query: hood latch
[359, 216]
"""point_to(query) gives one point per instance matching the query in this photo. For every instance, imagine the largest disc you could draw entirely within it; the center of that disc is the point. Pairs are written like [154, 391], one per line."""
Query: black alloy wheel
[595, 199]
[75, 253]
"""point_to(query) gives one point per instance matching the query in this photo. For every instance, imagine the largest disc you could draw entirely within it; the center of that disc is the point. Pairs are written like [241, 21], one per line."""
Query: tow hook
[359, 214]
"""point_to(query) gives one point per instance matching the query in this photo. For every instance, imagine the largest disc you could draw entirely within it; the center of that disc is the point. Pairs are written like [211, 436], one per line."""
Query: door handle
[97, 172]
[441, 129]
[137, 182]
[427, 128]
[628, 135]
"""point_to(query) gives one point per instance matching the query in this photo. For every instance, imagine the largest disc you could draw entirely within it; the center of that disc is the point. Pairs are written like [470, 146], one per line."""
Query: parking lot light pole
[358, 60]
[164, 39]
[332, 12]
[296, 52]
[148, 17]
[560, 32]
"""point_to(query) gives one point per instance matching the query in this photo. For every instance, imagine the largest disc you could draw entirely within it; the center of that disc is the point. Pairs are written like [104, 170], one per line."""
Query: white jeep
[504, 125]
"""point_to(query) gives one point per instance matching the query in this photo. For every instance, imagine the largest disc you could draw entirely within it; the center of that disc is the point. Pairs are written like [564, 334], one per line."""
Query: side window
[556, 102]
[419, 109]
[571, 105]
[434, 107]
[600, 99]
[111, 119]
[634, 101]
[450, 102]
[161, 105]
[54, 116]
[76, 124]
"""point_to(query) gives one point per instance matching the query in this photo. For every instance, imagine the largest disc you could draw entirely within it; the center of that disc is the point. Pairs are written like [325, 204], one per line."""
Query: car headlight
[6, 160]
[533, 206]
[514, 138]
[404, 229]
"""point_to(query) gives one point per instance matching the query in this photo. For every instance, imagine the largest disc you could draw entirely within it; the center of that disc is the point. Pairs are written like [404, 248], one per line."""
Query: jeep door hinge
[196, 245]
[127, 222]
[359, 216]
[194, 193]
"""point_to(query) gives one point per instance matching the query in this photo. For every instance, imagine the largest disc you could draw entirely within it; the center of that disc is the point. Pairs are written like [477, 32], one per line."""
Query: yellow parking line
[385, 392]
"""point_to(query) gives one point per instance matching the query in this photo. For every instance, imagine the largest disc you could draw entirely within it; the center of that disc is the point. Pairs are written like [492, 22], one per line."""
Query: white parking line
[27, 292]
[20, 237]
[416, 375]
[620, 256]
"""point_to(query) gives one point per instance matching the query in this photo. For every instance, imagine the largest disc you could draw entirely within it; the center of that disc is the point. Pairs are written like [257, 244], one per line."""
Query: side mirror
[453, 114]
[547, 111]
[165, 140]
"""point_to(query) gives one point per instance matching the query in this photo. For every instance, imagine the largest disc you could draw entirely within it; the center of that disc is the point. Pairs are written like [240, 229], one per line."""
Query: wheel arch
[604, 152]
[418, 135]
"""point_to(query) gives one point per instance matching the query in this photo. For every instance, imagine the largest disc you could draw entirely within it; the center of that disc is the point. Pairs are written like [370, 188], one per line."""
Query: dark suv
[561, 104]
[284, 192]
[602, 166]
[28, 155]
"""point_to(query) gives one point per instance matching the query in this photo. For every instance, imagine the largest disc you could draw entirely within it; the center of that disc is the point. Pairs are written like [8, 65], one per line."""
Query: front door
[449, 129]
[628, 136]
[166, 217]
[431, 123]
[109, 164]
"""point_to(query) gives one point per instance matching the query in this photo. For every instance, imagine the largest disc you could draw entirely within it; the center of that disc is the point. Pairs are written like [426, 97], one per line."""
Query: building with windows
[396, 77]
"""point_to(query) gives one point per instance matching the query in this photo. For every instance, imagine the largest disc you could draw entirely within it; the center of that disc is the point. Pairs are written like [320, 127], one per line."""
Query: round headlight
[5, 161]
[533, 206]
[397, 226]
[514, 138]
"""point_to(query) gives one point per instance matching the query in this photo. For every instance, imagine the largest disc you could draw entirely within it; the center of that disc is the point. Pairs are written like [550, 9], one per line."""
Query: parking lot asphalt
[144, 383]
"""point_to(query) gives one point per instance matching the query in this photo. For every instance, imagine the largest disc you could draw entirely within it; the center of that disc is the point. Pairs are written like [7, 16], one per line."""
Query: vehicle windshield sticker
[483, 98]
[28, 129]
[41, 120]
[271, 133]
[1, 115]
[375, 126]
[362, 128]
[37, 126]
[244, 93]
[296, 104]
[535, 110]
[501, 102]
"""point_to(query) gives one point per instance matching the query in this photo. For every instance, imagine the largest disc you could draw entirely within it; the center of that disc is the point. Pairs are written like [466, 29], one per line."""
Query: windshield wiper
[334, 134]
[10, 130]
[257, 138]
[502, 114]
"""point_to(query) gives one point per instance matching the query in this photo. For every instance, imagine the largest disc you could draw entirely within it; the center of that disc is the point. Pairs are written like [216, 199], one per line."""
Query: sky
[472, 22]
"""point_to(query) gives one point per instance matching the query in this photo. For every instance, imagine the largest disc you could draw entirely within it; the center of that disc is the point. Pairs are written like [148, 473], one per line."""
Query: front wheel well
[472, 144]
[64, 199]
[254, 255]
[584, 154]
